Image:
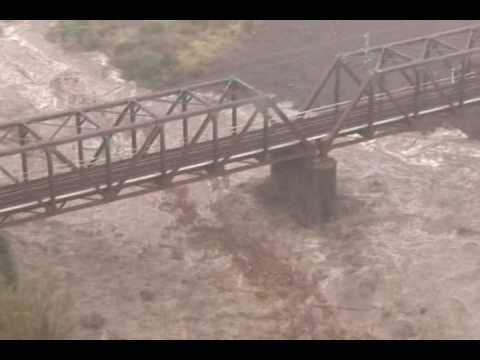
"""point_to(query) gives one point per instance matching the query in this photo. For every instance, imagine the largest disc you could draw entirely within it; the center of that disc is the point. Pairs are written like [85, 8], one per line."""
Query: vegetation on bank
[8, 275]
[154, 51]
[33, 309]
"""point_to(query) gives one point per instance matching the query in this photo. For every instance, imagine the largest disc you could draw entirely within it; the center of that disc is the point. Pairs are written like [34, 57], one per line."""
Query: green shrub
[147, 66]
[149, 51]
[34, 310]
[154, 28]
[192, 26]
[249, 26]
[77, 34]
[7, 268]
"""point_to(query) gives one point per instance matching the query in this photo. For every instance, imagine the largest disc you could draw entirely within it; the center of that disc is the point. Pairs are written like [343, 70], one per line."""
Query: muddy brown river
[221, 260]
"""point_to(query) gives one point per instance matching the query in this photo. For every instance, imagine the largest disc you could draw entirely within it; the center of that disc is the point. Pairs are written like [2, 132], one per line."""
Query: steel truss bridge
[56, 163]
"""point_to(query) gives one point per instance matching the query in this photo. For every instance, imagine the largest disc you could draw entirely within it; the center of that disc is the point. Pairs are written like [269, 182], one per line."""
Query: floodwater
[220, 260]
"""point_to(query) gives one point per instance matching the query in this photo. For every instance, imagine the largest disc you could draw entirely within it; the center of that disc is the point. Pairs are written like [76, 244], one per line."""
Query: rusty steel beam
[429, 61]
[117, 197]
[201, 154]
[107, 105]
[346, 113]
[414, 40]
[321, 85]
[137, 126]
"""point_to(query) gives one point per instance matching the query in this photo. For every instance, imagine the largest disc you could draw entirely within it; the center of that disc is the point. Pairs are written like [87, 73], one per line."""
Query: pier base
[308, 184]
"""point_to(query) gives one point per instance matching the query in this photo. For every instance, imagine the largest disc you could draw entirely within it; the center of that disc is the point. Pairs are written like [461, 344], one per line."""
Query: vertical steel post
[185, 121]
[321, 85]
[133, 118]
[78, 123]
[108, 162]
[416, 93]
[336, 90]
[215, 138]
[266, 128]
[371, 109]
[22, 133]
[470, 44]
[233, 97]
[461, 83]
[51, 189]
[163, 167]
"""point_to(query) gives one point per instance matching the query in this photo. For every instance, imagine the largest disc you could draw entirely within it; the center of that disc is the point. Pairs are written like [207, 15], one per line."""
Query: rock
[147, 295]
[465, 231]
[94, 321]
[177, 254]
[471, 248]
[402, 330]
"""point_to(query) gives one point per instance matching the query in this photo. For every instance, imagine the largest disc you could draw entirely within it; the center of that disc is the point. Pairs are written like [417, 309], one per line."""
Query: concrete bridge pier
[309, 185]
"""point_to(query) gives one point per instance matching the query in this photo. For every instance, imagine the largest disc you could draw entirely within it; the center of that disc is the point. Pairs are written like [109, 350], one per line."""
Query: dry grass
[7, 268]
[151, 52]
[33, 309]
[199, 50]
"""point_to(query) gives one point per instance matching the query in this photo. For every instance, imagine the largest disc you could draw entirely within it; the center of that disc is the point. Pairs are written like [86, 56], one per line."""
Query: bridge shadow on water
[270, 201]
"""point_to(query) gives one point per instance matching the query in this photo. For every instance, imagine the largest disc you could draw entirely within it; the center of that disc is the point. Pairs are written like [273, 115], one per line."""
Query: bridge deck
[205, 153]
[410, 79]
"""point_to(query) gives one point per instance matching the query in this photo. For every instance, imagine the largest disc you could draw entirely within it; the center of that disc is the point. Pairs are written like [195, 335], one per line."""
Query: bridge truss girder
[67, 161]
[376, 76]
[80, 158]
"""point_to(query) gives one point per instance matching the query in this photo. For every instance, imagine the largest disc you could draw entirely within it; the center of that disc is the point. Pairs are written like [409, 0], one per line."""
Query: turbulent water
[220, 259]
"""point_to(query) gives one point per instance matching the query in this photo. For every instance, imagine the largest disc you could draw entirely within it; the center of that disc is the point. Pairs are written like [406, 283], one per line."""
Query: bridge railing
[69, 160]
[443, 64]
[105, 149]
[77, 138]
